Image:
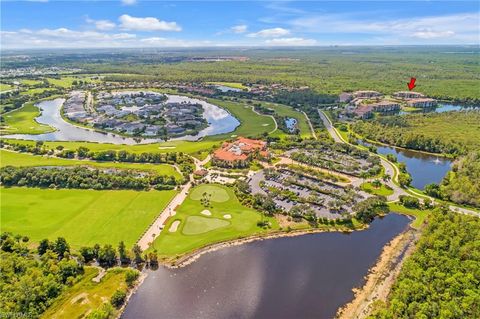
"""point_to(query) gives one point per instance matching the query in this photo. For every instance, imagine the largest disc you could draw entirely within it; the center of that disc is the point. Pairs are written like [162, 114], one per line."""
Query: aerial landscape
[239, 159]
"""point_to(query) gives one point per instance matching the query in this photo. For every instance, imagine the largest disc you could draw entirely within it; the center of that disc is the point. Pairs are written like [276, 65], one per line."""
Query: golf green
[214, 193]
[198, 225]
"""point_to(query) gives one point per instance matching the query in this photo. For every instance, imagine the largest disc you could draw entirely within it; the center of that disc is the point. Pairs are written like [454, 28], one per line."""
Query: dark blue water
[309, 276]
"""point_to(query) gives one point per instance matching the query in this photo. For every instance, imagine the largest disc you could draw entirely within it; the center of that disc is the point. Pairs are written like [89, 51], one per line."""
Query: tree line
[83, 178]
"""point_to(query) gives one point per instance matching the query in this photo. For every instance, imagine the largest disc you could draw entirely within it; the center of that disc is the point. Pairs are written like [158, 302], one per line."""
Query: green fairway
[251, 123]
[234, 85]
[195, 225]
[5, 87]
[83, 217]
[199, 149]
[287, 111]
[197, 230]
[212, 192]
[35, 91]
[30, 82]
[22, 159]
[22, 121]
[382, 190]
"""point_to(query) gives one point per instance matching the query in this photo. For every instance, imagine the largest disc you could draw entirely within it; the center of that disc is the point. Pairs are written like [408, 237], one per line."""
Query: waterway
[308, 276]
[424, 168]
[220, 122]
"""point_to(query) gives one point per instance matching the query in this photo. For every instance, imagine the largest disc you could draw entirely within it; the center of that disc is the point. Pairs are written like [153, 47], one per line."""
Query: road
[157, 226]
[391, 170]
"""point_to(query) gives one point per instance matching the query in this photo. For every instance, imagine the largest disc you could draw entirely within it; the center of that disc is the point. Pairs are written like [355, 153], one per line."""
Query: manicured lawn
[195, 225]
[22, 121]
[5, 87]
[419, 215]
[212, 192]
[197, 230]
[83, 217]
[382, 190]
[193, 148]
[30, 82]
[36, 91]
[67, 81]
[84, 296]
[234, 85]
[284, 110]
[23, 159]
[251, 123]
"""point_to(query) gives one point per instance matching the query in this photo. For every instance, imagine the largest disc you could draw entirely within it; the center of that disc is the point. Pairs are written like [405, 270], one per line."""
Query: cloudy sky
[137, 23]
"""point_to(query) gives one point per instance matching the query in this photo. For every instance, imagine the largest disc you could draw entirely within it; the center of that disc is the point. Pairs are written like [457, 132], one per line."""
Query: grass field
[382, 190]
[67, 81]
[83, 217]
[23, 159]
[197, 230]
[35, 91]
[22, 121]
[214, 193]
[234, 85]
[30, 82]
[5, 87]
[84, 296]
[284, 110]
[419, 215]
[251, 123]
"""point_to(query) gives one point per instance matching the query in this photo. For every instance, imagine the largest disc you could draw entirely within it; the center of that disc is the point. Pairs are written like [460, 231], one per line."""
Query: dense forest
[462, 183]
[29, 283]
[450, 133]
[83, 178]
[441, 279]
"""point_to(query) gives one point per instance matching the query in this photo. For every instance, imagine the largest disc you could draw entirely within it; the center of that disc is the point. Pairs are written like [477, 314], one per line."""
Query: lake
[424, 168]
[308, 276]
[220, 122]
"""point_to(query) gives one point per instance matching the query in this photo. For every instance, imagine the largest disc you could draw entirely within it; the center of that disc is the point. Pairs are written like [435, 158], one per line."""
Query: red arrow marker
[411, 85]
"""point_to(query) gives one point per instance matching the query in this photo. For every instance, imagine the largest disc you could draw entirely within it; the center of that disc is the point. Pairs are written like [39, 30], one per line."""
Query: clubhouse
[240, 152]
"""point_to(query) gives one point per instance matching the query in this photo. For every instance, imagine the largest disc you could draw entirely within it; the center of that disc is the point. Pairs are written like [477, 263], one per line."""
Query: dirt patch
[287, 221]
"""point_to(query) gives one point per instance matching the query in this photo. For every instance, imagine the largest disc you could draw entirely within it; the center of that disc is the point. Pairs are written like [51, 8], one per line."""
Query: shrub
[118, 298]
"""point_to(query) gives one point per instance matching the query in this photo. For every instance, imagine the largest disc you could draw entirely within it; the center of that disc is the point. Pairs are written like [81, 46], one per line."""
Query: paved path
[156, 227]
[391, 170]
[310, 125]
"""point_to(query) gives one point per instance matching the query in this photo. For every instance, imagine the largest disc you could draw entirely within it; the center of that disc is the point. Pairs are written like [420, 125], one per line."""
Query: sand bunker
[206, 212]
[227, 216]
[174, 226]
[166, 147]
[265, 124]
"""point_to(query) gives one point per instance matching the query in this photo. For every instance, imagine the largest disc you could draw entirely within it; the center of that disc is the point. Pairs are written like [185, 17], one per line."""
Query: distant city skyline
[130, 23]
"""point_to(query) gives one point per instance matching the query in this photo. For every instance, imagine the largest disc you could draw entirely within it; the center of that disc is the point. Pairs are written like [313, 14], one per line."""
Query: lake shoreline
[381, 276]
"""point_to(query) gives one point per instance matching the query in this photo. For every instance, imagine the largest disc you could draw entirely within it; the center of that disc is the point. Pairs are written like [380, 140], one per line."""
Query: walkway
[156, 227]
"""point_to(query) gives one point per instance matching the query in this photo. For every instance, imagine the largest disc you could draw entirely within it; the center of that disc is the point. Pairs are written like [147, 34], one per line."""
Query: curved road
[391, 170]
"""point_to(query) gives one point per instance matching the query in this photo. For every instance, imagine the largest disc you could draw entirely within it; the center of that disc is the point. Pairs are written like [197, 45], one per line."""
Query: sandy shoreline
[381, 276]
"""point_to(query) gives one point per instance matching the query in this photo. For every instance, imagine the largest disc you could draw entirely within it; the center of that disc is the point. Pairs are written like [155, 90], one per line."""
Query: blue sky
[130, 23]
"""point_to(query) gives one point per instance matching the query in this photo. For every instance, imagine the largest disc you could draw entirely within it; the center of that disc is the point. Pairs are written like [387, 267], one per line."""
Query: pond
[224, 88]
[424, 168]
[443, 107]
[220, 122]
[291, 124]
[308, 276]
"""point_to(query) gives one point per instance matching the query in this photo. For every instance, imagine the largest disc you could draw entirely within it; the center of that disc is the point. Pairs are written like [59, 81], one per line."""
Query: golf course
[82, 217]
[210, 214]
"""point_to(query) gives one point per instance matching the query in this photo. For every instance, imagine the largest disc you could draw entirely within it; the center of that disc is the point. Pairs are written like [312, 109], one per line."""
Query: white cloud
[147, 24]
[269, 33]
[291, 42]
[455, 28]
[102, 25]
[242, 28]
[429, 34]
[129, 2]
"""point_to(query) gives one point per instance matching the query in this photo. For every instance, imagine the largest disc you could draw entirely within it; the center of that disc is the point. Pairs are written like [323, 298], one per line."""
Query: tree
[409, 201]
[107, 256]
[433, 190]
[371, 207]
[404, 180]
[118, 298]
[137, 253]
[43, 246]
[88, 254]
[61, 247]
[122, 253]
